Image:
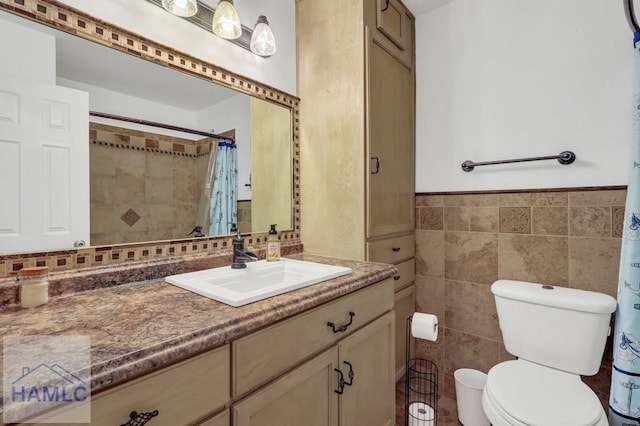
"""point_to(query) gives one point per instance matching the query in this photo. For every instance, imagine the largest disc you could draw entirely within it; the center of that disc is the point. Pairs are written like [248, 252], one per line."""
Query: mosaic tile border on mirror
[73, 21]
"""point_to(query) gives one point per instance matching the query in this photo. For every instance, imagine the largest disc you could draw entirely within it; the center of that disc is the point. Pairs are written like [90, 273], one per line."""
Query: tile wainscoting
[464, 242]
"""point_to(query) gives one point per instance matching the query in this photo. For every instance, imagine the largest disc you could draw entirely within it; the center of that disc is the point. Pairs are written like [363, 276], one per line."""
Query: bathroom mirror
[124, 189]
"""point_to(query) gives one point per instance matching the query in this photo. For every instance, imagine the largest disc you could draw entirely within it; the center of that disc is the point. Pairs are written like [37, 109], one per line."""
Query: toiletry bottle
[34, 286]
[273, 245]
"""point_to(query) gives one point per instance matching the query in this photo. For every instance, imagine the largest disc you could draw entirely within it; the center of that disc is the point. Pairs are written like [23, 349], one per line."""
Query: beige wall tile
[471, 308]
[542, 259]
[463, 350]
[590, 221]
[456, 219]
[539, 199]
[430, 218]
[484, 219]
[504, 355]
[430, 297]
[617, 221]
[515, 220]
[430, 253]
[430, 200]
[549, 220]
[486, 200]
[598, 198]
[594, 264]
[471, 256]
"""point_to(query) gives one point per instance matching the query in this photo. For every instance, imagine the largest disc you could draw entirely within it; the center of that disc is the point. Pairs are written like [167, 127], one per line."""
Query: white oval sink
[258, 281]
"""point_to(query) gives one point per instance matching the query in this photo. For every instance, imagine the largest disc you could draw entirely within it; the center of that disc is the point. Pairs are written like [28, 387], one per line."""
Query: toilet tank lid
[559, 297]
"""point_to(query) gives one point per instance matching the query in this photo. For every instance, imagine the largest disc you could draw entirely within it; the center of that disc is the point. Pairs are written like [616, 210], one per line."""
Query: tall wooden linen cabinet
[356, 82]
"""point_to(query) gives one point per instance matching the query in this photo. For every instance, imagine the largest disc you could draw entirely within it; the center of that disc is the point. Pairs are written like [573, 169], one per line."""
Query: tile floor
[447, 411]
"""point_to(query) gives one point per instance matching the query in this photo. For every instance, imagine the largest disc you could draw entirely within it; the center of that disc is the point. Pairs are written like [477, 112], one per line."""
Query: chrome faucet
[240, 256]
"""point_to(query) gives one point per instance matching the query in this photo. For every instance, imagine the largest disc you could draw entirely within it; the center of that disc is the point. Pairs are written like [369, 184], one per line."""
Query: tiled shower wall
[144, 186]
[464, 242]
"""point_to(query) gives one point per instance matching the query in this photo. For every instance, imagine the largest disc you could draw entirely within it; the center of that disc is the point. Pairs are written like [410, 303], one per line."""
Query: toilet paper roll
[421, 414]
[424, 326]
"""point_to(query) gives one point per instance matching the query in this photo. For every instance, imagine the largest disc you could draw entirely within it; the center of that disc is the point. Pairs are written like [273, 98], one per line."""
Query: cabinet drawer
[182, 393]
[264, 354]
[391, 250]
[406, 274]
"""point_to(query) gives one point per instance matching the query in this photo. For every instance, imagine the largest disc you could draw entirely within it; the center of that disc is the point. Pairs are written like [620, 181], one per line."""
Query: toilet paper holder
[421, 387]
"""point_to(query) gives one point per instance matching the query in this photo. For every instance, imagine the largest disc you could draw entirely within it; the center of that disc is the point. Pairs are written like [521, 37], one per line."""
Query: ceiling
[419, 7]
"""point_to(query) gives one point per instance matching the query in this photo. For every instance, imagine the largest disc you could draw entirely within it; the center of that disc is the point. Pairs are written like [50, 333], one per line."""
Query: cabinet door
[404, 308]
[390, 135]
[369, 353]
[221, 419]
[305, 396]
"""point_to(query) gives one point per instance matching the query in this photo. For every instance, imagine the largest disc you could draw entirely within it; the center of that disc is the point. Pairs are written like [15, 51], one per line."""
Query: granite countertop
[139, 327]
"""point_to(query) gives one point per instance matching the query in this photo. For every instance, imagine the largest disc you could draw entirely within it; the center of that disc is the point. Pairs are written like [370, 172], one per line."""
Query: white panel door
[44, 166]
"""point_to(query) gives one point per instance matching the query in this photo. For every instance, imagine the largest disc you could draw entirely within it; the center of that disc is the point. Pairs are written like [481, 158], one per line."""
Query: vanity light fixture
[226, 21]
[221, 21]
[263, 42]
[182, 8]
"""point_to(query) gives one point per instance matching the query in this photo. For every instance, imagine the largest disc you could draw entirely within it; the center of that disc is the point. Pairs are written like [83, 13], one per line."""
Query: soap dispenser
[273, 245]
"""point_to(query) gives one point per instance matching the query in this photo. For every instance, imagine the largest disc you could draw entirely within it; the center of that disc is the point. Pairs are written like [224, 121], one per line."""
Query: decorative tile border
[76, 22]
[120, 137]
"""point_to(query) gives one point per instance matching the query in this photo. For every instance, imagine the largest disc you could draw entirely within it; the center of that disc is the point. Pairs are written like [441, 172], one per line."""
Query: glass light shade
[263, 42]
[226, 22]
[184, 8]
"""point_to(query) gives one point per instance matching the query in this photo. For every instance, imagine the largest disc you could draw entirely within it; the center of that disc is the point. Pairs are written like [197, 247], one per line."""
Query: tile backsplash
[464, 242]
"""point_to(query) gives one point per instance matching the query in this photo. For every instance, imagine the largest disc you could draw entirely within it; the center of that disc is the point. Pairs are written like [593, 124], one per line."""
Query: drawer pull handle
[351, 373]
[343, 327]
[136, 419]
[396, 249]
[341, 382]
[396, 278]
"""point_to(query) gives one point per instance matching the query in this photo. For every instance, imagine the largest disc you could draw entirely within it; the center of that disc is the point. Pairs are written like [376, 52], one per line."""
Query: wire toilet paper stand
[421, 388]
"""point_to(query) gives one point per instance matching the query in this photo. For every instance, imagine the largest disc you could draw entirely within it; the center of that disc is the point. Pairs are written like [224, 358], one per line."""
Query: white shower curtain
[624, 400]
[224, 194]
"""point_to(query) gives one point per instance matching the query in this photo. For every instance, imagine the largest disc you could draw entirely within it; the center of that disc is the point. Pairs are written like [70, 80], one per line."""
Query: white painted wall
[27, 54]
[233, 113]
[503, 79]
[153, 22]
[108, 101]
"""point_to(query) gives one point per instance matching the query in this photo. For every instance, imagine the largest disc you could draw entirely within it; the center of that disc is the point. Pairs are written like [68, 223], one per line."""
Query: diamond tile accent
[130, 217]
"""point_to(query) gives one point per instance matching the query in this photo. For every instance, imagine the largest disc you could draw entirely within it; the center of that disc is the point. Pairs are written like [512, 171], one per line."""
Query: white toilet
[557, 334]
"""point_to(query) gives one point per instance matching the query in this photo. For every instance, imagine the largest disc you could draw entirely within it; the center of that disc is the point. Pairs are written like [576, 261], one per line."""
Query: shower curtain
[624, 400]
[224, 194]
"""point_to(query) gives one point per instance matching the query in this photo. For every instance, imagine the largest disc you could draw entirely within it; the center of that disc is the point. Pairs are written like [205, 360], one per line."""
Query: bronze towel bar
[565, 157]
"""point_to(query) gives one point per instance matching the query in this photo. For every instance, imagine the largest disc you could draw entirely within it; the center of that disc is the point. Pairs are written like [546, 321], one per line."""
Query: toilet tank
[558, 327]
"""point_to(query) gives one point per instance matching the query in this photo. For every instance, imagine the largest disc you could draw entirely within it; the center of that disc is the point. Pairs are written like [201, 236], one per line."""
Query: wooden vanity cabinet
[313, 394]
[356, 82]
[287, 373]
[184, 393]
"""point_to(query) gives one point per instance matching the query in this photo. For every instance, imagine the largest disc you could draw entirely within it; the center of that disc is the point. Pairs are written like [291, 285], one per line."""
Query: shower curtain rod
[160, 125]
[631, 15]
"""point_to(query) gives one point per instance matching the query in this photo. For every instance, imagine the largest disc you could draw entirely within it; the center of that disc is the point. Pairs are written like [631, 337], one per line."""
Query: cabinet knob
[395, 249]
[139, 419]
[396, 277]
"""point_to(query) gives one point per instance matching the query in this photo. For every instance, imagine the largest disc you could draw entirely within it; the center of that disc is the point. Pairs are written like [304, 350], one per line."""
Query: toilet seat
[522, 393]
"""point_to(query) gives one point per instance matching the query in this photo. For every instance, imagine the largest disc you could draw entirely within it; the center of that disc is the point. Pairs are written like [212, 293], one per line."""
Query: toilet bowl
[557, 334]
[520, 393]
